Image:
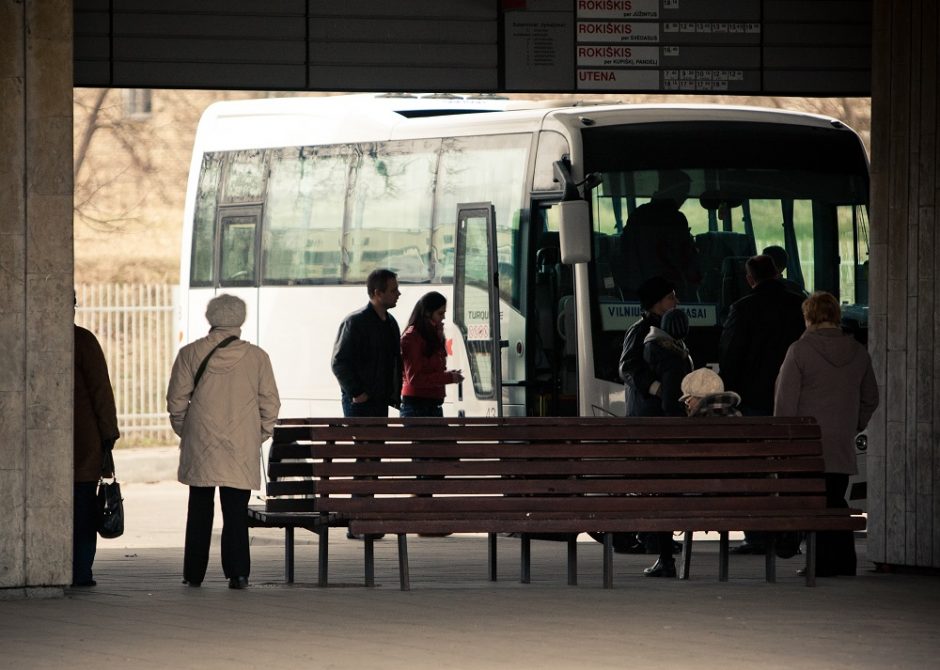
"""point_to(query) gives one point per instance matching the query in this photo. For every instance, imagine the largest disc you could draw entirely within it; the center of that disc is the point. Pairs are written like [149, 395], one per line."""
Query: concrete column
[36, 276]
[904, 458]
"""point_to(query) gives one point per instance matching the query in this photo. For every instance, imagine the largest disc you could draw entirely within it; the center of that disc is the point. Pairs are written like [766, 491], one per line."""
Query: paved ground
[141, 616]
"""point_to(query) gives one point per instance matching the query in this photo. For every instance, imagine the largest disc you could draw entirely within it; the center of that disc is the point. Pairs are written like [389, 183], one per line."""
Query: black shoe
[238, 583]
[87, 582]
[748, 548]
[360, 536]
[190, 582]
[661, 568]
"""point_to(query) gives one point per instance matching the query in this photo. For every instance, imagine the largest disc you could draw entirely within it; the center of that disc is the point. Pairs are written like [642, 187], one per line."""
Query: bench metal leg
[608, 560]
[811, 558]
[323, 548]
[770, 558]
[370, 560]
[289, 555]
[491, 548]
[573, 561]
[723, 556]
[686, 555]
[526, 558]
[403, 577]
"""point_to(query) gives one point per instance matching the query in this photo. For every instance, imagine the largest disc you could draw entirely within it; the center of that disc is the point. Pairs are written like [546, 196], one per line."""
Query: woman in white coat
[223, 403]
[828, 375]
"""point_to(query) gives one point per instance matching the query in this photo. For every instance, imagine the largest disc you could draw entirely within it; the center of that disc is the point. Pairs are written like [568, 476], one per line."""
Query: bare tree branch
[91, 125]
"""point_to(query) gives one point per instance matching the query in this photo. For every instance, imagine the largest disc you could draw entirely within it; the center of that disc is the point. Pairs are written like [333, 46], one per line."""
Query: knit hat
[225, 311]
[653, 290]
[675, 323]
[700, 383]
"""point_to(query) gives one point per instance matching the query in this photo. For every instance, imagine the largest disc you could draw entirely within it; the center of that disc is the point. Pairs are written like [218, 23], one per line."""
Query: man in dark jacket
[657, 296]
[643, 394]
[760, 328]
[367, 355]
[95, 431]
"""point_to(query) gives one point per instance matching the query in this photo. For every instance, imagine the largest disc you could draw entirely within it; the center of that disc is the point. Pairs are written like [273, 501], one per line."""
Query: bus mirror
[574, 231]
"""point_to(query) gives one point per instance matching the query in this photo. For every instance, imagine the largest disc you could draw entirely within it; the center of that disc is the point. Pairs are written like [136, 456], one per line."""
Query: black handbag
[110, 503]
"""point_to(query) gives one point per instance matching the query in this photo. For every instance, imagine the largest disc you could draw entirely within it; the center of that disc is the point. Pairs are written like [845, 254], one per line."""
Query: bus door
[239, 260]
[476, 310]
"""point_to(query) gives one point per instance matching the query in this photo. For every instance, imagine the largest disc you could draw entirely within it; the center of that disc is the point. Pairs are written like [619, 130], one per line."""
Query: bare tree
[113, 166]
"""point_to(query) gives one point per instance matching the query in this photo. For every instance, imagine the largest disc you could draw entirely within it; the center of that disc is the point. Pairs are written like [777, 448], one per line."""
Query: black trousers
[84, 531]
[835, 549]
[236, 559]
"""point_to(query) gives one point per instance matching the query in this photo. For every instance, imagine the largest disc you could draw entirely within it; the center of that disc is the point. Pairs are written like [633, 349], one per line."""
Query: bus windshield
[711, 196]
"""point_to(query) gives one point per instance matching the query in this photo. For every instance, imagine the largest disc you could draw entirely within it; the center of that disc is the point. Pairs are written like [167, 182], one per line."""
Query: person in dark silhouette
[367, 353]
[657, 296]
[95, 432]
[759, 329]
[642, 389]
[828, 375]
[668, 358]
[657, 241]
[367, 359]
[781, 259]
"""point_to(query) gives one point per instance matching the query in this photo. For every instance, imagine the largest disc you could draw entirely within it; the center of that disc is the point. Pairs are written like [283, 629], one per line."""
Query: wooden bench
[259, 516]
[550, 475]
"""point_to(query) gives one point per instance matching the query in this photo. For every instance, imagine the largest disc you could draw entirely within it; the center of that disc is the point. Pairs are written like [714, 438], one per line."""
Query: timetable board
[752, 47]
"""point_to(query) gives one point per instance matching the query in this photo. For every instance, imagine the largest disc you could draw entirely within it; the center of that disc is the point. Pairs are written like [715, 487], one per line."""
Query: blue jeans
[420, 407]
[368, 408]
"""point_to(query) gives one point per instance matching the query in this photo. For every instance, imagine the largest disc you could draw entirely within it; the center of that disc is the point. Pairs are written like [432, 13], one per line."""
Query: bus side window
[237, 248]
[203, 251]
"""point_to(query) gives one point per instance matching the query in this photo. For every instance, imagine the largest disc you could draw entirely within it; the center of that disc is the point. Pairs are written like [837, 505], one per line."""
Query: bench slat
[547, 450]
[523, 421]
[544, 504]
[656, 428]
[543, 467]
[556, 487]
[642, 524]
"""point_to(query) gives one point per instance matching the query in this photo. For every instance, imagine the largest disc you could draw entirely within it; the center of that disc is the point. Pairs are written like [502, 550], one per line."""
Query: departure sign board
[784, 47]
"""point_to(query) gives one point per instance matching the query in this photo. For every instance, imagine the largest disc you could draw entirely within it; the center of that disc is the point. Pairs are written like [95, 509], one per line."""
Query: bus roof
[277, 122]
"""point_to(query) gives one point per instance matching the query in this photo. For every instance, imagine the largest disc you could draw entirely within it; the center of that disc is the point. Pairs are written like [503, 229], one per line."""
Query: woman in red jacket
[425, 359]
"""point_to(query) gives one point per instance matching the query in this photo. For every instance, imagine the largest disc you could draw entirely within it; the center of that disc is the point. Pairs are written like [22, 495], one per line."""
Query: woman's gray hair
[225, 311]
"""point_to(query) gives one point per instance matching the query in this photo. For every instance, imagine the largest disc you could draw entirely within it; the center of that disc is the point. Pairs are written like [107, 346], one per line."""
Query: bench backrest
[550, 465]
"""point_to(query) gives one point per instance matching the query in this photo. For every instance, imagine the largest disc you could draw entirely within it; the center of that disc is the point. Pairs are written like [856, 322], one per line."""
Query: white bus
[292, 202]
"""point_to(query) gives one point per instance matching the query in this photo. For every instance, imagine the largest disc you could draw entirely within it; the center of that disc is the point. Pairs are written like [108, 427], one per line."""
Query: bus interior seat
[713, 248]
[733, 283]
[606, 259]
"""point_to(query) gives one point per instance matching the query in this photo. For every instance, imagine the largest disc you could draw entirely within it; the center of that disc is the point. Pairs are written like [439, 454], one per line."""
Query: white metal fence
[136, 326]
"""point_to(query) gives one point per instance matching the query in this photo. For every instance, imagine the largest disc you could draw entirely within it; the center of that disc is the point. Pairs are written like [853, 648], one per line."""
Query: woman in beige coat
[222, 418]
[828, 375]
